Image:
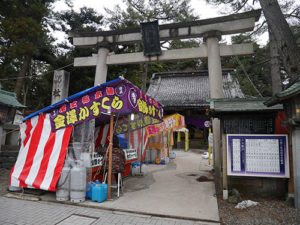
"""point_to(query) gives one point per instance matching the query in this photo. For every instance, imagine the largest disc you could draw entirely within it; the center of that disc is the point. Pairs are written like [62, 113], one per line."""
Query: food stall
[161, 138]
[67, 128]
[132, 135]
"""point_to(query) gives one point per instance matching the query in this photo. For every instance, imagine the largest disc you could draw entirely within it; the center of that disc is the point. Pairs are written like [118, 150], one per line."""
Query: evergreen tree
[86, 20]
[24, 37]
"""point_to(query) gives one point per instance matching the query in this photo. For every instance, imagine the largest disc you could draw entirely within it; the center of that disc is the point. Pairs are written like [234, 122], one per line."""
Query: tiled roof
[10, 99]
[290, 92]
[241, 105]
[189, 89]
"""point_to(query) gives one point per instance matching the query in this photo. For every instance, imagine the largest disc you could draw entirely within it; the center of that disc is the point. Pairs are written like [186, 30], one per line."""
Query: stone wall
[8, 156]
[259, 186]
[9, 146]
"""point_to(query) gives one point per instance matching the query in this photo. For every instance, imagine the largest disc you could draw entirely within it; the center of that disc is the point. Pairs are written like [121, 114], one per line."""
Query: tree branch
[258, 28]
[241, 6]
[136, 8]
[246, 74]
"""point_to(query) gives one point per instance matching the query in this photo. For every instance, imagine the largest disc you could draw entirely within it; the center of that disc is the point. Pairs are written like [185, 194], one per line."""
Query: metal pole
[110, 154]
[209, 146]
[141, 150]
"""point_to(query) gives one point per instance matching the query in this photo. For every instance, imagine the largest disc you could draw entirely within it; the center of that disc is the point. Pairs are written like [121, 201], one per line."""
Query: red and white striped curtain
[139, 140]
[102, 135]
[41, 156]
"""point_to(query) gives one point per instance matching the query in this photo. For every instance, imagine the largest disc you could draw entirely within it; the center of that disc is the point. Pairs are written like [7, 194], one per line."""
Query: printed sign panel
[118, 97]
[257, 155]
[130, 154]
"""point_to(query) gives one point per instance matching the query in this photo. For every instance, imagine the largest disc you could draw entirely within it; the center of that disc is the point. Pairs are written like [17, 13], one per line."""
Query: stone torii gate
[210, 29]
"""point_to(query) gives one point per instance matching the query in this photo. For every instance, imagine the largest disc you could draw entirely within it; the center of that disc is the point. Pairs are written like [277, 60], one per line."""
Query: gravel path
[273, 212]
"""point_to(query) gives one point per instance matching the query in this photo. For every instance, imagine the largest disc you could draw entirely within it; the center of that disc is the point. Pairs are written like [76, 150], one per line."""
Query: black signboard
[254, 124]
[150, 35]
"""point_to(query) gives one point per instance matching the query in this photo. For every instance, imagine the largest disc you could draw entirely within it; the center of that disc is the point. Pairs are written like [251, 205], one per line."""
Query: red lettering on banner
[155, 103]
[98, 95]
[73, 105]
[85, 99]
[141, 95]
[150, 100]
[63, 109]
[110, 91]
[146, 97]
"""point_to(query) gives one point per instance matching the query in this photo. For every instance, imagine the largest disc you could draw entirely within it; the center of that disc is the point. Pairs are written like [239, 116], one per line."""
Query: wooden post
[110, 154]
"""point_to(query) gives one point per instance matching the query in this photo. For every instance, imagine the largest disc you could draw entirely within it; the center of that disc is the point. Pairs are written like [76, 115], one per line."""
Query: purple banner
[120, 97]
[197, 122]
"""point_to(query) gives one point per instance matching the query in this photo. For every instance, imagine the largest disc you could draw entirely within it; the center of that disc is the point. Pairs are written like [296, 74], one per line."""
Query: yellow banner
[174, 122]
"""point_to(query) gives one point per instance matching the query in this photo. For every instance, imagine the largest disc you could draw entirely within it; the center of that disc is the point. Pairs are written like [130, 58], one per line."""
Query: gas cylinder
[78, 182]
[63, 184]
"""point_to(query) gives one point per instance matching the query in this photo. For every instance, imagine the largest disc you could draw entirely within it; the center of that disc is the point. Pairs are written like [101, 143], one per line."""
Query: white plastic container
[135, 169]
[78, 183]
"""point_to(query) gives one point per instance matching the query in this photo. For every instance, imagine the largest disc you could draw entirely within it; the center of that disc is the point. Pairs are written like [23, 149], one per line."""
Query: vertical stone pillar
[60, 88]
[296, 162]
[216, 91]
[214, 64]
[101, 67]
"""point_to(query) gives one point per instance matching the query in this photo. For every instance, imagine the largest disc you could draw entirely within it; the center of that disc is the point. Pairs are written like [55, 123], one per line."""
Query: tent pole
[110, 154]
[141, 150]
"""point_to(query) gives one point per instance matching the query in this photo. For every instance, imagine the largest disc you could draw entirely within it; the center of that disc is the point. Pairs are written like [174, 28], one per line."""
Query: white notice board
[257, 155]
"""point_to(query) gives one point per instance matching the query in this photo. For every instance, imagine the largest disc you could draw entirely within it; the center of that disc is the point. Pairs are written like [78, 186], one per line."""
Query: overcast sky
[201, 9]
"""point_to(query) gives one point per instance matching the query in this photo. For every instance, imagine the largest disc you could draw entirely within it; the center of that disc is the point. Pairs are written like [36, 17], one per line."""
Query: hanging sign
[120, 97]
[175, 122]
[126, 125]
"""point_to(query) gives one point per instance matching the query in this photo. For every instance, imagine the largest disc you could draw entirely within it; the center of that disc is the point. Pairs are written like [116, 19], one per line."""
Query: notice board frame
[282, 152]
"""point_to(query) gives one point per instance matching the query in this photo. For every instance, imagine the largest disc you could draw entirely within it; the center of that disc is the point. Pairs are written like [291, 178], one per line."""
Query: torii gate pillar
[216, 91]
[101, 66]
